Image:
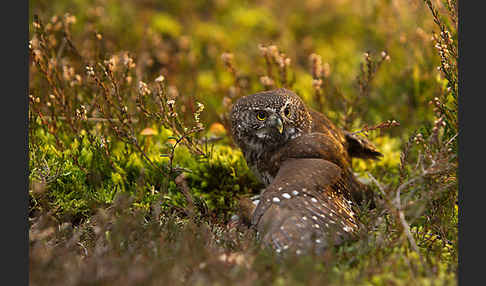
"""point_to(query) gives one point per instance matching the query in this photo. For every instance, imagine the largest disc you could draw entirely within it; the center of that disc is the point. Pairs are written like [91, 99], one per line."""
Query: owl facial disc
[272, 125]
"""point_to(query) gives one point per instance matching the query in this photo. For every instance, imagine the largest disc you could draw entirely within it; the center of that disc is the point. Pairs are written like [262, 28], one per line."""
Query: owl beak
[277, 123]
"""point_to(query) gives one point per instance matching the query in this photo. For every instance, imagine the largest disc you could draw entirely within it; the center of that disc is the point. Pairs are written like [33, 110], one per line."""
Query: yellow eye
[261, 116]
[287, 111]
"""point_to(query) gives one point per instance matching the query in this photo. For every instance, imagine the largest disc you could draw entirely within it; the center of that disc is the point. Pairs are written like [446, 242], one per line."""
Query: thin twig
[184, 188]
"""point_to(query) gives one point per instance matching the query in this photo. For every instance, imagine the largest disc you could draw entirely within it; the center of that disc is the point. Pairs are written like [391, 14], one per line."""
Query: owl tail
[360, 147]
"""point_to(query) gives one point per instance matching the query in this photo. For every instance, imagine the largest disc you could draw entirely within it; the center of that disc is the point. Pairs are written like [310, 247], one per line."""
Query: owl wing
[355, 145]
[360, 147]
[322, 146]
[304, 209]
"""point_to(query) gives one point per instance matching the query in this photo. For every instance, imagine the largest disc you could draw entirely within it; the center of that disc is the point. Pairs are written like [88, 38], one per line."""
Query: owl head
[269, 119]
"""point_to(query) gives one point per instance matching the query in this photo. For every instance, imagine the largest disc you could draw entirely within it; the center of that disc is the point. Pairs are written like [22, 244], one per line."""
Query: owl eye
[287, 112]
[261, 115]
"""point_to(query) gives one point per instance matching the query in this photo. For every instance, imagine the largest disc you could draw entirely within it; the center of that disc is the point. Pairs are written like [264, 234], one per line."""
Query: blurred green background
[184, 41]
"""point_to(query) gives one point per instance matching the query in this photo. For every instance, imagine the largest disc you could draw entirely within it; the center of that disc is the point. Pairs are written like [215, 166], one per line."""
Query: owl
[304, 161]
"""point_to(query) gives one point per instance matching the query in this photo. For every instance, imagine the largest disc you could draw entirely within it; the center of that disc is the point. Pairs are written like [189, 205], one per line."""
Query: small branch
[93, 119]
[396, 204]
[408, 233]
[382, 125]
[184, 188]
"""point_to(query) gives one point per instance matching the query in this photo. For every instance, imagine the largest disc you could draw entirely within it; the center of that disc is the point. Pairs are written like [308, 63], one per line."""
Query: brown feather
[305, 207]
